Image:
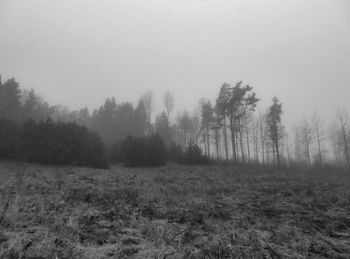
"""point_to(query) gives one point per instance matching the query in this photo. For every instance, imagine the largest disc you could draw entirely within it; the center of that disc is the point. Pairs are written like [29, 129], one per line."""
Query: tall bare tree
[263, 135]
[188, 129]
[307, 136]
[275, 127]
[221, 108]
[242, 100]
[318, 128]
[216, 128]
[207, 114]
[342, 131]
[169, 103]
[255, 136]
[148, 101]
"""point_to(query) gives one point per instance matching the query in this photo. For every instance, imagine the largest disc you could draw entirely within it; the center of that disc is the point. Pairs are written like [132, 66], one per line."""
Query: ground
[173, 212]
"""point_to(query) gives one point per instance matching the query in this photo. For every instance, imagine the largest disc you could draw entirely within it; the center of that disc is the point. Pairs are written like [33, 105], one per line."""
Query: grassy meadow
[172, 212]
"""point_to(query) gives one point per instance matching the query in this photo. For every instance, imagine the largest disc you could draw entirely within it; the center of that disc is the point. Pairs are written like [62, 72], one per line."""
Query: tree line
[227, 129]
[51, 142]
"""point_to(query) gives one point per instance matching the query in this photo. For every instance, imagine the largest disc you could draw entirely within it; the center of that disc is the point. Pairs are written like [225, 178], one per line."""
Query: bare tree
[188, 128]
[297, 148]
[255, 136]
[148, 101]
[307, 136]
[241, 101]
[221, 108]
[169, 103]
[216, 128]
[342, 131]
[263, 135]
[247, 131]
[275, 127]
[247, 127]
[288, 147]
[207, 114]
[318, 129]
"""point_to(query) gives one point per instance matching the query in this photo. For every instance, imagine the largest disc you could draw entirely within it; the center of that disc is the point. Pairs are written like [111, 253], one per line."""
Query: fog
[77, 53]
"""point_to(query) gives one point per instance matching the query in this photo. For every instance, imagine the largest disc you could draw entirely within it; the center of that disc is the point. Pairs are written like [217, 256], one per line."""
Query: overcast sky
[78, 52]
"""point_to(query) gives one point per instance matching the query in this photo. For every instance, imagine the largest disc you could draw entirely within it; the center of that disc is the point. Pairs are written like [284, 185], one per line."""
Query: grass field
[172, 212]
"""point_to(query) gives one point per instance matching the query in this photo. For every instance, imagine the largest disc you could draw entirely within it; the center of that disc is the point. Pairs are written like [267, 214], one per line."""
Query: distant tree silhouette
[168, 103]
[51, 142]
[10, 96]
[140, 120]
[162, 128]
[148, 101]
[307, 137]
[103, 120]
[124, 116]
[242, 100]
[194, 156]
[275, 127]
[9, 139]
[260, 139]
[222, 110]
[114, 122]
[188, 129]
[217, 128]
[207, 120]
[341, 134]
[318, 129]
[145, 151]
[175, 153]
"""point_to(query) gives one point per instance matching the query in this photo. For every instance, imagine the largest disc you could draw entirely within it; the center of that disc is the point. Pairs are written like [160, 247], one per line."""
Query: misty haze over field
[78, 53]
[174, 129]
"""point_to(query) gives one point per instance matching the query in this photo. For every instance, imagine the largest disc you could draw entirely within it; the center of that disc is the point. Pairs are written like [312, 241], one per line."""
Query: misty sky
[79, 52]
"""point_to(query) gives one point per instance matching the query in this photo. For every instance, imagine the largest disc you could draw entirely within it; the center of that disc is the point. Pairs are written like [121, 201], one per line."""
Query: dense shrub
[9, 139]
[50, 142]
[194, 155]
[115, 153]
[175, 153]
[144, 151]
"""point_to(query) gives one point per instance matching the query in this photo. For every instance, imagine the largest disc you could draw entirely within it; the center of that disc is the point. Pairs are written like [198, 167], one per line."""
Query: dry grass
[172, 212]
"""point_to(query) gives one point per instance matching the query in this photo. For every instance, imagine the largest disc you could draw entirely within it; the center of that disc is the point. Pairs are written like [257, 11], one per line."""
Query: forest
[228, 129]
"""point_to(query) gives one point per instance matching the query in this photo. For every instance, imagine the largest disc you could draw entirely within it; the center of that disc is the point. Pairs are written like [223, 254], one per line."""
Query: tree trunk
[204, 142]
[308, 155]
[346, 145]
[208, 142]
[278, 155]
[233, 140]
[241, 139]
[217, 142]
[225, 139]
[248, 148]
[262, 141]
[268, 154]
[273, 154]
[319, 145]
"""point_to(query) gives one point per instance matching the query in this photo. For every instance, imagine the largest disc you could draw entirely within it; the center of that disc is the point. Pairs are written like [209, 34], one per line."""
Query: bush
[194, 156]
[144, 151]
[115, 153]
[52, 143]
[9, 139]
[175, 153]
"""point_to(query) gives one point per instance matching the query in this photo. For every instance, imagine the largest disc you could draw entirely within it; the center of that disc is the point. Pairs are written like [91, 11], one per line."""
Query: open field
[172, 212]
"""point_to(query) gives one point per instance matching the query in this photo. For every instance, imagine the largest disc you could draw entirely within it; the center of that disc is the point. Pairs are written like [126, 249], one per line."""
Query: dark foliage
[115, 153]
[144, 151]
[194, 156]
[52, 143]
[175, 153]
[9, 138]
